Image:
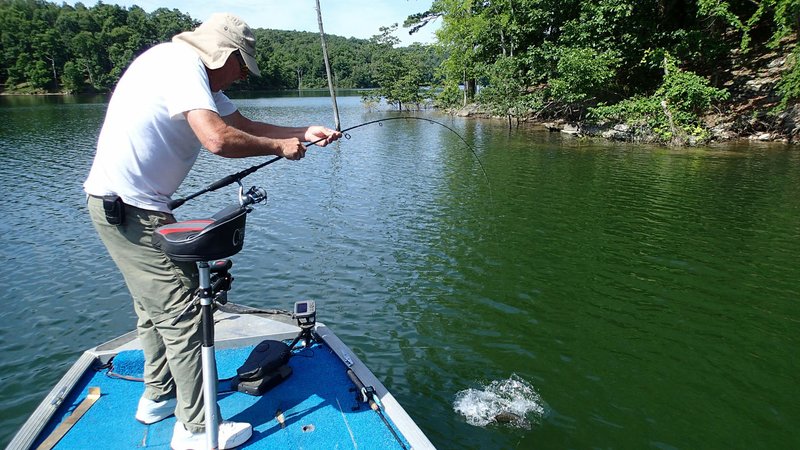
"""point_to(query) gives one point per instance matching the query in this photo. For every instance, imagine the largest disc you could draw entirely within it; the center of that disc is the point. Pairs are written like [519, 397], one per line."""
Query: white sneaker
[150, 411]
[231, 434]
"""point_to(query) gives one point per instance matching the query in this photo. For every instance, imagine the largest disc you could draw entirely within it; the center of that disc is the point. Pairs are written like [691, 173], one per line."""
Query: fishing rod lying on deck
[367, 395]
[238, 176]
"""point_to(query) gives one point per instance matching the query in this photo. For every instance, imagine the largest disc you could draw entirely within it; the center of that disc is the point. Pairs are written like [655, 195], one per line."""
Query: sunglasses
[245, 71]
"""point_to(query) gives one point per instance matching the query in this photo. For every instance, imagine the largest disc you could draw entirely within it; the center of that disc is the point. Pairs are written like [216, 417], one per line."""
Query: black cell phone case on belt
[114, 208]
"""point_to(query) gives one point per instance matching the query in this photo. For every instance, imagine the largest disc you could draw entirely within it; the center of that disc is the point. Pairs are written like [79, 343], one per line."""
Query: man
[167, 104]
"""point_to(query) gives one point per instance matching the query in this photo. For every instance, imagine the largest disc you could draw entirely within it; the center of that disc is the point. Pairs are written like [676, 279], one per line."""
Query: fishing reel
[253, 196]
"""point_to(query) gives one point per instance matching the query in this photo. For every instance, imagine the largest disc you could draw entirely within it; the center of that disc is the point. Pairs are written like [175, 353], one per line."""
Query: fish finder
[305, 310]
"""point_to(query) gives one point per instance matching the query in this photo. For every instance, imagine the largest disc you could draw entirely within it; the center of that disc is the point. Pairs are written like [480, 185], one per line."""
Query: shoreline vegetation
[673, 72]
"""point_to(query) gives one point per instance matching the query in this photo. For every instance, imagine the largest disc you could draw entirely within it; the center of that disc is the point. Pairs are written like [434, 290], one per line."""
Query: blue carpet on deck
[319, 408]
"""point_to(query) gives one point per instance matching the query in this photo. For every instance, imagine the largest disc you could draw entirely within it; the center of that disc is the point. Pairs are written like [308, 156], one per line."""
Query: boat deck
[318, 401]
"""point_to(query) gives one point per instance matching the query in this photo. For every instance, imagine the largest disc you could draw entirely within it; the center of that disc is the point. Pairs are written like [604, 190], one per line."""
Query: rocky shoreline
[748, 115]
[783, 128]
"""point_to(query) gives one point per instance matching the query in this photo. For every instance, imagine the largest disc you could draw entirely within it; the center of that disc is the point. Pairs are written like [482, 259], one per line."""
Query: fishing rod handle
[362, 391]
[354, 379]
[175, 203]
[222, 182]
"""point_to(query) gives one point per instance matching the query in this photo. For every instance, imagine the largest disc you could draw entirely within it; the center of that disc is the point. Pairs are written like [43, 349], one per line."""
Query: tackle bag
[264, 368]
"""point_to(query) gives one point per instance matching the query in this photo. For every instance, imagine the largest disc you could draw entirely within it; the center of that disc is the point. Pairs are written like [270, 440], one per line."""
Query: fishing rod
[238, 176]
[367, 395]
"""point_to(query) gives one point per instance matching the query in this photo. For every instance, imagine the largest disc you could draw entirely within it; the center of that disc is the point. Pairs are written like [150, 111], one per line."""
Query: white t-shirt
[146, 147]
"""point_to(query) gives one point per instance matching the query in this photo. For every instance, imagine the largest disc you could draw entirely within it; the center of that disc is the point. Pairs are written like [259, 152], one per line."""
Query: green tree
[460, 36]
[582, 76]
[72, 80]
[38, 75]
[505, 91]
[781, 17]
[398, 73]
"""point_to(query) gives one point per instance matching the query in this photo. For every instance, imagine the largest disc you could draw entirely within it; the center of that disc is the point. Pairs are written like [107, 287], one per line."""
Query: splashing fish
[511, 402]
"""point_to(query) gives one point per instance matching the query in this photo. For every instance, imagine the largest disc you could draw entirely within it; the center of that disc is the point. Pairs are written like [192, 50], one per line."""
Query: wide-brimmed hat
[218, 37]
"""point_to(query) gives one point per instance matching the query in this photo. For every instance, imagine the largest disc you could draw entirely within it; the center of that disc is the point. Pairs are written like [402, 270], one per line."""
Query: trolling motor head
[218, 237]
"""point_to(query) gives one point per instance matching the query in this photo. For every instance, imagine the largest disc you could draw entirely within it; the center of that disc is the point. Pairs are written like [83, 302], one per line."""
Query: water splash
[513, 402]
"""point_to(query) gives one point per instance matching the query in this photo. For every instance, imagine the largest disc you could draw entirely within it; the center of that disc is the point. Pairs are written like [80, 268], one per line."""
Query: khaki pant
[160, 289]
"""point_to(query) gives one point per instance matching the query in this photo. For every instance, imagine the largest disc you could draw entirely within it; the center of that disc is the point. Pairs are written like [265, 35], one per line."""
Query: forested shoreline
[643, 70]
[50, 48]
[674, 71]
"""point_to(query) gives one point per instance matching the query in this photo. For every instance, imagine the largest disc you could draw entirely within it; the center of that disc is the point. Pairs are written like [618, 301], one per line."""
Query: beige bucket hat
[218, 37]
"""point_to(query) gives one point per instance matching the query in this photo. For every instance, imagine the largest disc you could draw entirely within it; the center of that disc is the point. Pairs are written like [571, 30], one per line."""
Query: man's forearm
[264, 129]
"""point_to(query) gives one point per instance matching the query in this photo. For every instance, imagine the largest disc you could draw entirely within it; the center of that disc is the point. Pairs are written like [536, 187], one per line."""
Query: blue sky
[348, 18]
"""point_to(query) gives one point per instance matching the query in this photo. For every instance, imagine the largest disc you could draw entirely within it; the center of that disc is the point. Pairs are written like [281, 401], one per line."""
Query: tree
[505, 91]
[72, 80]
[460, 37]
[398, 73]
[582, 76]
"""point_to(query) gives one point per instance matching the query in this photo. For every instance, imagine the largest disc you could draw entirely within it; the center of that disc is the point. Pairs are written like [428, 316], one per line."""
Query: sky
[348, 18]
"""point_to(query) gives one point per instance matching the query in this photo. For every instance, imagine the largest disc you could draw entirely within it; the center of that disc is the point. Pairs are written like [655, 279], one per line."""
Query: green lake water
[611, 295]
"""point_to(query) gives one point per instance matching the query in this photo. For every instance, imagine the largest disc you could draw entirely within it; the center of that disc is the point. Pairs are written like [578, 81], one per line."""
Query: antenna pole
[328, 69]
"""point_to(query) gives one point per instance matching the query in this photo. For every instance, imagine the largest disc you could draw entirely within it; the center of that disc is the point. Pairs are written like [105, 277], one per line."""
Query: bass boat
[286, 374]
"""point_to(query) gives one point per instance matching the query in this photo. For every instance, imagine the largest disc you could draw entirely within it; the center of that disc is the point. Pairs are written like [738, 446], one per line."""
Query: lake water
[610, 295]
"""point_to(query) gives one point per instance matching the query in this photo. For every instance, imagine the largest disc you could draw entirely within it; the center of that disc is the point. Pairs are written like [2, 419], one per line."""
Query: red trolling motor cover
[219, 237]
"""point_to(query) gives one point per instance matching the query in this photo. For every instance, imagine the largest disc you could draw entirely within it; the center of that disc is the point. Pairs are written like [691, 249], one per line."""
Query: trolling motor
[204, 242]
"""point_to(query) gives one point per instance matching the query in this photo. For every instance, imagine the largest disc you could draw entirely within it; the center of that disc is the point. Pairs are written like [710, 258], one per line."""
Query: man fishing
[168, 104]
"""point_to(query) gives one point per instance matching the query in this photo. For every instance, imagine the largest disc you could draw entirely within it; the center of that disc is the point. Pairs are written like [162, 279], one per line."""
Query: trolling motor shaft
[207, 357]
[221, 282]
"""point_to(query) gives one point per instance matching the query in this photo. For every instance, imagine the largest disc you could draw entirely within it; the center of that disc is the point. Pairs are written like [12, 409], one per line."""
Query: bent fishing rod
[238, 176]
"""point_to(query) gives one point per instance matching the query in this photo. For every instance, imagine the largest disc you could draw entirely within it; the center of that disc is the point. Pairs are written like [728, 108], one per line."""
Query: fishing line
[425, 119]
[238, 176]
